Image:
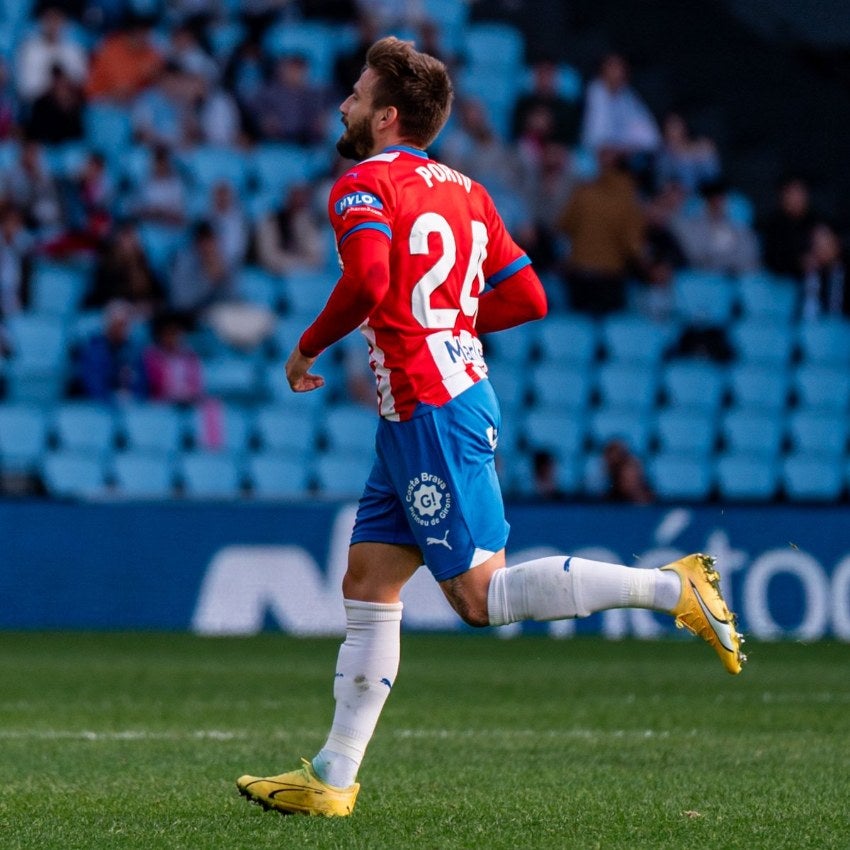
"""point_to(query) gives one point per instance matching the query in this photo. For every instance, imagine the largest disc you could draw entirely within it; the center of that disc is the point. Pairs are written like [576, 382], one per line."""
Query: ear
[387, 117]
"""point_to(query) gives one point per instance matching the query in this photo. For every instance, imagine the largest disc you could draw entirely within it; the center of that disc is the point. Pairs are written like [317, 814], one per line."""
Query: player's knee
[470, 605]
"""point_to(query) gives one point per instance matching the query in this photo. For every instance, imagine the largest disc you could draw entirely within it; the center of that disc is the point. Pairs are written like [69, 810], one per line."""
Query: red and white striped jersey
[446, 241]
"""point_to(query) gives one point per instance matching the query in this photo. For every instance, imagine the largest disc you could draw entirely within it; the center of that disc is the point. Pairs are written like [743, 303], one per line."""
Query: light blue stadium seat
[754, 385]
[562, 386]
[494, 45]
[632, 427]
[762, 341]
[23, 436]
[160, 243]
[38, 367]
[513, 346]
[704, 298]
[694, 384]
[350, 428]
[260, 287]
[307, 291]
[628, 386]
[686, 432]
[497, 91]
[153, 427]
[744, 477]
[519, 480]
[216, 426]
[561, 432]
[84, 426]
[766, 297]
[634, 338]
[210, 475]
[674, 476]
[277, 475]
[208, 165]
[826, 342]
[224, 37]
[568, 339]
[275, 167]
[108, 129]
[822, 387]
[285, 431]
[56, 289]
[752, 432]
[342, 476]
[142, 475]
[69, 474]
[814, 478]
[233, 378]
[316, 41]
[510, 382]
[819, 432]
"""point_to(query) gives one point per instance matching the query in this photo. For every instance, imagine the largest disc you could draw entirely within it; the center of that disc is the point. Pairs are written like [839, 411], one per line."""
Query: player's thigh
[378, 571]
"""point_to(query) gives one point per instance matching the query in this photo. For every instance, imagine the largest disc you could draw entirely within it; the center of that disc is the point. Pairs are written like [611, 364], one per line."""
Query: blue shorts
[434, 484]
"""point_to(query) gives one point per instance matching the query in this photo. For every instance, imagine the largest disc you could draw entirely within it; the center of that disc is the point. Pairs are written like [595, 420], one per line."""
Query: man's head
[402, 96]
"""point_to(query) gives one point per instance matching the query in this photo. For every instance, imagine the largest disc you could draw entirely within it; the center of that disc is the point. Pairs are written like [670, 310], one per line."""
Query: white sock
[561, 588]
[365, 671]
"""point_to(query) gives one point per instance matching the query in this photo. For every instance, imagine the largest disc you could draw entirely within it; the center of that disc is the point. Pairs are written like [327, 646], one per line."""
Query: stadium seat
[350, 428]
[822, 387]
[215, 426]
[306, 292]
[285, 431]
[807, 477]
[275, 167]
[519, 481]
[493, 45]
[557, 385]
[316, 41]
[56, 290]
[276, 475]
[260, 287]
[694, 384]
[743, 477]
[674, 476]
[160, 242]
[70, 474]
[511, 383]
[153, 427]
[38, 367]
[766, 297]
[85, 427]
[142, 475]
[23, 436]
[686, 432]
[342, 476]
[819, 432]
[763, 342]
[108, 129]
[233, 378]
[568, 339]
[632, 427]
[210, 475]
[703, 298]
[752, 432]
[826, 342]
[208, 165]
[626, 385]
[754, 385]
[514, 346]
[635, 339]
[561, 432]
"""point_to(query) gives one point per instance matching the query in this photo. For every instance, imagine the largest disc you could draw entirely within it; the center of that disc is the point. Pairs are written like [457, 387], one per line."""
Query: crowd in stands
[110, 108]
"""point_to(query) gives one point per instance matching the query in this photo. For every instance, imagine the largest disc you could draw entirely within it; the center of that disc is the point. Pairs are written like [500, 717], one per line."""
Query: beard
[357, 142]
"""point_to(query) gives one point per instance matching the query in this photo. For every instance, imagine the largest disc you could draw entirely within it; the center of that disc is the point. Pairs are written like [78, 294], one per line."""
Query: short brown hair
[416, 84]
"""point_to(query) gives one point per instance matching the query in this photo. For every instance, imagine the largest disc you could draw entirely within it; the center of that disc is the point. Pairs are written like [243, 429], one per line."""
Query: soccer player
[427, 265]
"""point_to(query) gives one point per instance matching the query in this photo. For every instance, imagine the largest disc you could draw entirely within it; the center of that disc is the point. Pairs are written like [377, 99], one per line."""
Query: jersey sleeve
[504, 257]
[362, 199]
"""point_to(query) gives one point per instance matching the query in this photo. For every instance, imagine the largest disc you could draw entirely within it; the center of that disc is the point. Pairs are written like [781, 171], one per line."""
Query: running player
[427, 265]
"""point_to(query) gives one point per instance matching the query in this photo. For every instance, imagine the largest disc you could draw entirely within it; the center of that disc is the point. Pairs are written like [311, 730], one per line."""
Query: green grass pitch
[134, 741]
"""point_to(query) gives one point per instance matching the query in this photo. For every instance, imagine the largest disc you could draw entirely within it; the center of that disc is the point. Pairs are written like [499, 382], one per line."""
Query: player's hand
[298, 373]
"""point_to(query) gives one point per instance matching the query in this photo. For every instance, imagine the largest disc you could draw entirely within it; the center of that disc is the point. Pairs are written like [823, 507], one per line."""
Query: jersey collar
[406, 149]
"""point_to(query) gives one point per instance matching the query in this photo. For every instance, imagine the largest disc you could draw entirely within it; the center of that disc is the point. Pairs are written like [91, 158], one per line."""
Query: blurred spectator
[125, 63]
[15, 259]
[605, 224]
[544, 467]
[31, 187]
[218, 116]
[229, 222]
[109, 365]
[290, 236]
[614, 114]
[711, 240]
[185, 51]
[164, 114]
[626, 479]
[172, 368]
[9, 106]
[123, 272]
[564, 115]
[244, 76]
[57, 115]
[786, 234]
[49, 46]
[161, 197]
[473, 148]
[289, 108]
[683, 159]
[536, 134]
[825, 285]
[348, 64]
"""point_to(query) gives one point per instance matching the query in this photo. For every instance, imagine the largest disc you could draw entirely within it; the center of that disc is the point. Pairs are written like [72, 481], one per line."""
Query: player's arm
[512, 301]
[366, 277]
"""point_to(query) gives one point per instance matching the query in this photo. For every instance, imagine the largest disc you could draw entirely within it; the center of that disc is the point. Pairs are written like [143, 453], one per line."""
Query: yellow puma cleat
[299, 792]
[702, 610]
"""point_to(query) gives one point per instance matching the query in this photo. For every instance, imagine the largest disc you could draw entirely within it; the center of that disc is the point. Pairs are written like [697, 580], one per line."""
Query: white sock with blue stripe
[561, 588]
[365, 671]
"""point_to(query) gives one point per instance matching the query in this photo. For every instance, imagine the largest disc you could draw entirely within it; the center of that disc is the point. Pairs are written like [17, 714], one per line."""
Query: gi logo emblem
[428, 499]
